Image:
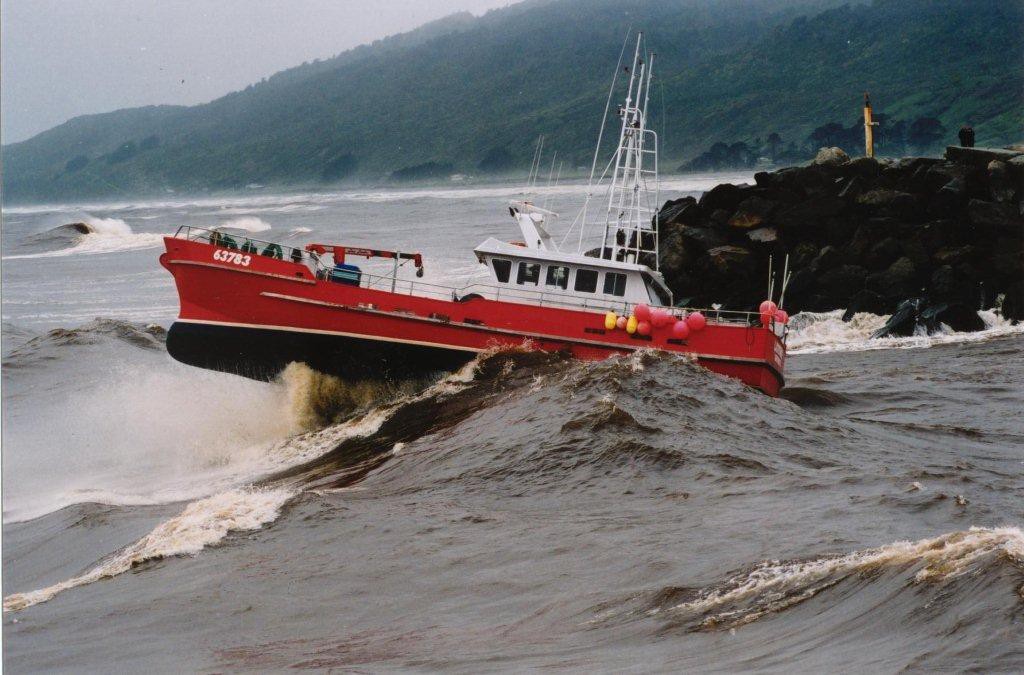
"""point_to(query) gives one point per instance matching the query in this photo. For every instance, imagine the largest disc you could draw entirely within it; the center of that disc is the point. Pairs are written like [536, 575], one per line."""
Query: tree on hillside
[774, 143]
[497, 158]
[826, 135]
[924, 133]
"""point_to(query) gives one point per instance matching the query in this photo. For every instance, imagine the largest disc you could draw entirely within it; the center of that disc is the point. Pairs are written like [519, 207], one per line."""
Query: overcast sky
[62, 58]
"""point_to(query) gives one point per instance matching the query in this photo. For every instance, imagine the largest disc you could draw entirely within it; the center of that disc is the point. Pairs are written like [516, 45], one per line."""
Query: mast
[630, 227]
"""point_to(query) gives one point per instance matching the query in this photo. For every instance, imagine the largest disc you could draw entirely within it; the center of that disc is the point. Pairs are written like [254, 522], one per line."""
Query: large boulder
[898, 280]
[840, 283]
[866, 168]
[829, 257]
[724, 197]
[700, 238]
[865, 301]
[891, 202]
[751, 212]
[831, 156]
[996, 216]
[730, 261]
[1001, 184]
[882, 254]
[809, 214]
[957, 316]
[681, 211]
[1013, 302]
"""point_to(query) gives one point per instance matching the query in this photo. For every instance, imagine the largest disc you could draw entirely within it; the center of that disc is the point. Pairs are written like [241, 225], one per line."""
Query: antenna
[785, 280]
[551, 172]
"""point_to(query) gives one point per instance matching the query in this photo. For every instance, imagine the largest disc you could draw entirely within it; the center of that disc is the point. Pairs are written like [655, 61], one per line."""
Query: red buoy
[644, 328]
[660, 318]
[642, 312]
[680, 330]
[696, 321]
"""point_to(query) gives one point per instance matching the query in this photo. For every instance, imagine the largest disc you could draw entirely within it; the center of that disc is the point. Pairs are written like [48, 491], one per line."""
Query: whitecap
[107, 235]
[821, 332]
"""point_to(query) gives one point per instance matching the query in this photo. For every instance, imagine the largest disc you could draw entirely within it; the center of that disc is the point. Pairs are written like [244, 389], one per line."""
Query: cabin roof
[496, 247]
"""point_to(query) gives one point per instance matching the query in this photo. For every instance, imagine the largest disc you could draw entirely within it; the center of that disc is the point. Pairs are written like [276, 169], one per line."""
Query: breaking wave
[248, 224]
[201, 524]
[819, 332]
[775, 586]
[90, 237]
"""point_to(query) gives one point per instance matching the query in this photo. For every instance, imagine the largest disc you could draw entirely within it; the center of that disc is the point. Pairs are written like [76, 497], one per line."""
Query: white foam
[819, 332]
[313, 201]
[167, 433]
[108, 235]
[202, 523]
[775, 585]
[207, 521]
[247, 223]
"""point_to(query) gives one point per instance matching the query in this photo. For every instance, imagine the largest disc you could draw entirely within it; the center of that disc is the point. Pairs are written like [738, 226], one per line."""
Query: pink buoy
[781, 316]
[680, 330]
[768, 307]
[696, 321]
[766, 318]
[644, 328]
[642, 312]
[660, 318]
[620, 323]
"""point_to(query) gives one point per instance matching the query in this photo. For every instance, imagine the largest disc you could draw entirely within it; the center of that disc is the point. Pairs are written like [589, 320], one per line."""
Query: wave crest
[90, 237]
[202, 523]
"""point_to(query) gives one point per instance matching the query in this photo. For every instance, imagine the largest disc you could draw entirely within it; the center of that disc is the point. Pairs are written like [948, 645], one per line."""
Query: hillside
[464, 88]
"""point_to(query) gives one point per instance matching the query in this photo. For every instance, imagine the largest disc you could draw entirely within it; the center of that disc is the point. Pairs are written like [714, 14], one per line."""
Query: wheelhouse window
[502, 269]
[529, 274]
[614, 283]
[586, 281]
[557, 276]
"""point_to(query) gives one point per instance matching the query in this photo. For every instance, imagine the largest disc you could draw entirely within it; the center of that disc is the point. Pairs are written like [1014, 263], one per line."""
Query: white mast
[629, 233]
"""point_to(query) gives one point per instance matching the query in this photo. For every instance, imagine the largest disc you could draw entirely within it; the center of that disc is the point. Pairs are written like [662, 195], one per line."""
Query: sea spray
[317, 400]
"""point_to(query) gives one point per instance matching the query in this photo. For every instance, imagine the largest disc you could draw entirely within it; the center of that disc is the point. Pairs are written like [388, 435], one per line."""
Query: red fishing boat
[252, 307]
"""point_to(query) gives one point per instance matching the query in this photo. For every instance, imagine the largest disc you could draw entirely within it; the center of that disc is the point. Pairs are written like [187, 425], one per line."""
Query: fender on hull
[261, 354]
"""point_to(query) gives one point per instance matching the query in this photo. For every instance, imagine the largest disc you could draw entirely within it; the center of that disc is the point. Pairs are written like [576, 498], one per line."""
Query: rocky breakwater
[929, 240]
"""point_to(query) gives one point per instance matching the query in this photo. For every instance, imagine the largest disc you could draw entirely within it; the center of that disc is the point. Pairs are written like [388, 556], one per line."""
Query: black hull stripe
[214, 345]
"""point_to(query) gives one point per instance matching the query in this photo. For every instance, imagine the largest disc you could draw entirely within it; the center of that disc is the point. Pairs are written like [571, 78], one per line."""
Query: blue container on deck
[346, 274]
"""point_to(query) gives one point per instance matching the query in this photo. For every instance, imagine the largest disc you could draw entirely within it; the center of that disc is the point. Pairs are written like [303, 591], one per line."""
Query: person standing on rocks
[967, 136]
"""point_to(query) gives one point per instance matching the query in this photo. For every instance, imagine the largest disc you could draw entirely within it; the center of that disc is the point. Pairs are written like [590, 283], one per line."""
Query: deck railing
[416, 287]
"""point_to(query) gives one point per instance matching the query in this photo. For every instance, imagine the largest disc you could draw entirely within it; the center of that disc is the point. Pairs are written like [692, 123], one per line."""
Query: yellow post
[869, 128]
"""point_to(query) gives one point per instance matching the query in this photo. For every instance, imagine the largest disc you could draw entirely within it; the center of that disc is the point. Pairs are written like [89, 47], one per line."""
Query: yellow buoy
[609, 320]
[631, 325]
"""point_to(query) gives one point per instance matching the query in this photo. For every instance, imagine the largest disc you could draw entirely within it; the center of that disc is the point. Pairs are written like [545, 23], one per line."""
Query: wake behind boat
[252, 307]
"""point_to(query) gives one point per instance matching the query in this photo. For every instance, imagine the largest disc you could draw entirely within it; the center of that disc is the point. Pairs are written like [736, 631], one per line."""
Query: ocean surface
[528, 512]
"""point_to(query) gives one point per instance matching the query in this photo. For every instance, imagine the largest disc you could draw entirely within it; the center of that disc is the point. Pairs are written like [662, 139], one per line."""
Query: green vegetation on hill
[471, 94]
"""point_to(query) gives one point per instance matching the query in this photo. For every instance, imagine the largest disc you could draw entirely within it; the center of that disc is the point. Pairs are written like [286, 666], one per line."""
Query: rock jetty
[935, 238]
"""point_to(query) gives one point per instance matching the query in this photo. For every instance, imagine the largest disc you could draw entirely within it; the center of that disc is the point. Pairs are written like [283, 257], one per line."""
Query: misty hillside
[468, 94]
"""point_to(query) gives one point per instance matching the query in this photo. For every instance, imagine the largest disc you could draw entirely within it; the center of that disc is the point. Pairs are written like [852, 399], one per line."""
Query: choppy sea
[528, 512]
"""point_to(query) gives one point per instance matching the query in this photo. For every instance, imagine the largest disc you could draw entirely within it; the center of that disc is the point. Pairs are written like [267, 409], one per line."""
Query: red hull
[272, 297]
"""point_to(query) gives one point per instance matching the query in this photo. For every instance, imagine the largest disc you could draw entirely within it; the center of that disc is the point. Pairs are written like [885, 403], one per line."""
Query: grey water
[529, 512]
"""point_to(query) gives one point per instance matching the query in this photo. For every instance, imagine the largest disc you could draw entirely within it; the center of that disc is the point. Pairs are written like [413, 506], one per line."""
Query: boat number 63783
[232, 257]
